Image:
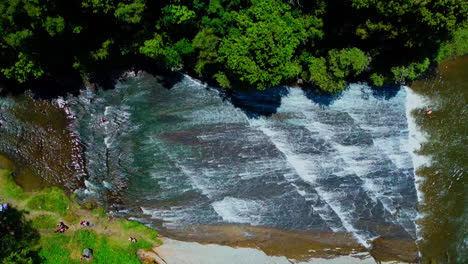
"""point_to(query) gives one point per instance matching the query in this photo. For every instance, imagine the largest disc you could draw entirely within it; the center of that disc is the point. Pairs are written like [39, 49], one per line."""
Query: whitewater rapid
[286, 158]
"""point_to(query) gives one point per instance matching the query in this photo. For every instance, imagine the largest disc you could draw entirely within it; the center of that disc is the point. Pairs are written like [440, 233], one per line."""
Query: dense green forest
[231, 43]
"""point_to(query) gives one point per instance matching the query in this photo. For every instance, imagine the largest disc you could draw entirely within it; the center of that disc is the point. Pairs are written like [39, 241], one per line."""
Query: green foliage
[97, 6]
[377, 80]
[457, 46]
[171, 57]
[130, 13]
[18, 38]
[260, 48]
[177, 14]
[103, 52]
[347, 62]
[21, 256]
[330, 74]
[222, 80]
[254, 43]
[153, 48]
[54, 25]
[77, 29]
[44, 222]
[23, 69]
[410, 72]
[50, 199]
[206, 43]
[320, 76]
[184, 47]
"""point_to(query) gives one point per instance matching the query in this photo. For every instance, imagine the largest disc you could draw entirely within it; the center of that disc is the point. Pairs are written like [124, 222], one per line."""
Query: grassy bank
[39, 212]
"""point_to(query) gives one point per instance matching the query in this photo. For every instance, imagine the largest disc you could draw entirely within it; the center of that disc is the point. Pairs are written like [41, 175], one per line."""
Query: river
[284, 170]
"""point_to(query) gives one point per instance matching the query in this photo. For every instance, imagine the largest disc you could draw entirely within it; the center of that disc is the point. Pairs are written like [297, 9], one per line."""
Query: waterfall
[285, 158]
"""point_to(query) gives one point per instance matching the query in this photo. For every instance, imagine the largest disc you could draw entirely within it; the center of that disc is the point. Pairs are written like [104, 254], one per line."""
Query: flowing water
[192, 162]
[444, 229]
[286, 159]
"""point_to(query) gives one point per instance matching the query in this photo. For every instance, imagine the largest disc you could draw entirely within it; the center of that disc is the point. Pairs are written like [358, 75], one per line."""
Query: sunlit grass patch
[44, 222]
[50, 199]
[63, 248]
[8, 188]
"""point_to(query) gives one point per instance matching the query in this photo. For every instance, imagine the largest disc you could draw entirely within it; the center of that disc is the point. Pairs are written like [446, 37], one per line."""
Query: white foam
[301, 164]
[235, 210]
[305, 166]
[416, 137]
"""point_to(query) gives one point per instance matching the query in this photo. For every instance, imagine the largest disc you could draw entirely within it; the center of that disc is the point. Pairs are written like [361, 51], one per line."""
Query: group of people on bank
[87, 252]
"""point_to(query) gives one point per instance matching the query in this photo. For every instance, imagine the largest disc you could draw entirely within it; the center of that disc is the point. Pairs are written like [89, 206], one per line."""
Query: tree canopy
[234, 43]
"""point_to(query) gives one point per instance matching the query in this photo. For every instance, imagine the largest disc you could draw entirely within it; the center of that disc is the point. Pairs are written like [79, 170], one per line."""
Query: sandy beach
[239, 244]
[179, 252]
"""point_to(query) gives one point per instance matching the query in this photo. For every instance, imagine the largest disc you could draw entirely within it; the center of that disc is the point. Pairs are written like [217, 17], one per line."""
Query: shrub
[347, 62]
[377, 80]
[457, 46]
[410, 72]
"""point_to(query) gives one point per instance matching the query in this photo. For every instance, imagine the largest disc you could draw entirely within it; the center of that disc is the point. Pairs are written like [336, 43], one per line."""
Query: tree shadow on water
[385, 92]
[322, 98]
[258, 103]
[19, 241]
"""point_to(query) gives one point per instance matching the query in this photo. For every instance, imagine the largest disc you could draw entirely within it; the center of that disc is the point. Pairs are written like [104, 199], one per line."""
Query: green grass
[55, 249]
[137, 227]
[50, 199]
[8, 188]
[107, 237]
[100, 211]
[60, 248]
[44, 222]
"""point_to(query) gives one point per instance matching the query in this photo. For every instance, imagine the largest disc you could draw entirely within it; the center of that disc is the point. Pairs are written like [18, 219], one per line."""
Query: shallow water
[287, 158]
[37, 142]
[445, 187]
[191, 162]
